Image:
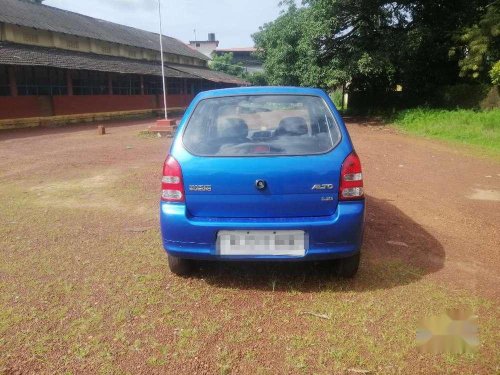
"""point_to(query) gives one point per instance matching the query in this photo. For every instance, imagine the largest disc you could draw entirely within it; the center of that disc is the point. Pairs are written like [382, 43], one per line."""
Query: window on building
[37, 80]
[4, 81]
[196, 86]
[190, 87]
[175, 86]
[126, 84]
[90, 83]
[152, 85]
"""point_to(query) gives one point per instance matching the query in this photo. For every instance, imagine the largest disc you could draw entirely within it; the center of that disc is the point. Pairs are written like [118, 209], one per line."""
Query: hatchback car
[262, 173]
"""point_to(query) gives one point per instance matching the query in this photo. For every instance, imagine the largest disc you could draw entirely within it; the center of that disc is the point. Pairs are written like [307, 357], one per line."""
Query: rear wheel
[180, 266]
[348, 267]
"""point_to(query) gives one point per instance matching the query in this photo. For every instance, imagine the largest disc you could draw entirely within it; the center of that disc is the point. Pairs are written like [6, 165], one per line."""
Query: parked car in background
[264, 173]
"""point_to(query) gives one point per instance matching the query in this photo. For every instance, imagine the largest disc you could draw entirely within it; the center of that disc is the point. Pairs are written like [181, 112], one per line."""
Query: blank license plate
[261, 242]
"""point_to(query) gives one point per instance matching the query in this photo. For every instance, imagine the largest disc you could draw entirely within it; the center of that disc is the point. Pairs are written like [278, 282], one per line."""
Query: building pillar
[110, 84]
[142, 85]
[12, 81]
[69, 82]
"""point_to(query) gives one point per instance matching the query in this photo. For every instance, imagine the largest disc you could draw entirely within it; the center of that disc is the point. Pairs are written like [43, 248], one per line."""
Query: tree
[373, 45]
[276, 44]
[495, 73]
[257, 79]
[480, 44]
[224, 63]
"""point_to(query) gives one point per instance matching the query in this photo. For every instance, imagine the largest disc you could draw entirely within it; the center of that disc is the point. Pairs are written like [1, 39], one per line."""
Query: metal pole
[162, 65]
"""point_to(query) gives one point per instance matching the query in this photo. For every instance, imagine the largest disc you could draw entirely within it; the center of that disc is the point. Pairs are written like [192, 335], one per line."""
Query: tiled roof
[43, 17]
[19, 54]
[210, 75]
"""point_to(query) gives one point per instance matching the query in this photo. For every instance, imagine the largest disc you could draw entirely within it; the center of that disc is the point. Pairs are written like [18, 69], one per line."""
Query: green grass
[481, 129]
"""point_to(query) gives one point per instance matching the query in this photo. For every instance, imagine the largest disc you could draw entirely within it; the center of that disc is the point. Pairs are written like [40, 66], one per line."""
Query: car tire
[180, 266]
[348, 267]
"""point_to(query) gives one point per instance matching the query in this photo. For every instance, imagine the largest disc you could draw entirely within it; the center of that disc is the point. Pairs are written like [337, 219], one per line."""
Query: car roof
[261, 90]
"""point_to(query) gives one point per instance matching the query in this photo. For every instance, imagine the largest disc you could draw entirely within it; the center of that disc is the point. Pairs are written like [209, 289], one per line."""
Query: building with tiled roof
[71, 63]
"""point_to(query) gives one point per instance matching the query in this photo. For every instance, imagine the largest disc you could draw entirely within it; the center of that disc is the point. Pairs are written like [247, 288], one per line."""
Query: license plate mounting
[261, 242]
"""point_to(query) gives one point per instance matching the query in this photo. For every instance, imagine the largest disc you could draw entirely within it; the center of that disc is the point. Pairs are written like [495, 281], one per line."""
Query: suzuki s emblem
[260, 184]
[322, 187]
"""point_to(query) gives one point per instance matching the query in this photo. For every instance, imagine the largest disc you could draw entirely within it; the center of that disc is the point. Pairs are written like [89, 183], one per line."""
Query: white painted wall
[205, 47]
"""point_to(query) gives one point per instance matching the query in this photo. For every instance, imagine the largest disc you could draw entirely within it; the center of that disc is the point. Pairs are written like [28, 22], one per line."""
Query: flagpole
[162, 62]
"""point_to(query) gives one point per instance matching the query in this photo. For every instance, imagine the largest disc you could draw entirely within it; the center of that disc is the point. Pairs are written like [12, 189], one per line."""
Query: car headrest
[233, 128]
[292, 126]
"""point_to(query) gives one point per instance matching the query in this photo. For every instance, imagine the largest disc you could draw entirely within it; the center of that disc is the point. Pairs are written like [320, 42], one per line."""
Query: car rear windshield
[259, 125]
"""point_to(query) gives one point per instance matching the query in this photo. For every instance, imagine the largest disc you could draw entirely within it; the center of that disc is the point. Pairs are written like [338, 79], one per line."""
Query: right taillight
[351, 179]
[172, 186]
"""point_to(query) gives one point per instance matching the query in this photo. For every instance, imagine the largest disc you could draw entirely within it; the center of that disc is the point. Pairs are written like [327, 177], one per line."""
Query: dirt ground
[85, 287]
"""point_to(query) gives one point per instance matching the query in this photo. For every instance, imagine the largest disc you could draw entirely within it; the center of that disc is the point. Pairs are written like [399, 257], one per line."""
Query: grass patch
[146, 134]
[468, 127]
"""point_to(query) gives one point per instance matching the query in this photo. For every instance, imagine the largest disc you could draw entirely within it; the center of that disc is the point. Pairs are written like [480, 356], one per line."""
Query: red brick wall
[23, 106]
[39, 106]
[177, 100]
[77, 104]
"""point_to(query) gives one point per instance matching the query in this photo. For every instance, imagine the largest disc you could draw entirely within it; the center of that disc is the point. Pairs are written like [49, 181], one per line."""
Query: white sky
[232, 21]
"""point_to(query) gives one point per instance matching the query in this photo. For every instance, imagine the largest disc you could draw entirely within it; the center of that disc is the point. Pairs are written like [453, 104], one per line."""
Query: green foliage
[224, 63]
[495, 73]
[280, 45]
[480, 44]
[371, 45]
[257, 78]
[464, 126]
[336, 97]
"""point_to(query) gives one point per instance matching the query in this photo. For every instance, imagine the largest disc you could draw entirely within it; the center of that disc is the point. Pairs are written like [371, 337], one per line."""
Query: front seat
[292, 126]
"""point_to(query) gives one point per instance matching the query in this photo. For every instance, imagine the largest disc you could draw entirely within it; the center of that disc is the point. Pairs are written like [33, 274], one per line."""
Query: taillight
[351, 179]
[172, 186]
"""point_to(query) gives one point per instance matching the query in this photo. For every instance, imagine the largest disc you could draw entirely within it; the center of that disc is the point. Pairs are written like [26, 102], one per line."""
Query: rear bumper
[330, 237]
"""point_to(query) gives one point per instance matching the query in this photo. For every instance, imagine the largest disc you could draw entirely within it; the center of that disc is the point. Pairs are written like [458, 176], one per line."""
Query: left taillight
[351, 179]
[172, 186]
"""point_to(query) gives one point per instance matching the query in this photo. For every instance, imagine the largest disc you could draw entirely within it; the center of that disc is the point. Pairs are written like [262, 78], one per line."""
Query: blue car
[262, 173]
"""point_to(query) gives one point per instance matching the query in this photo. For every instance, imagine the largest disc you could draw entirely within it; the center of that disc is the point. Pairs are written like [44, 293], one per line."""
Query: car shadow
[396, 251]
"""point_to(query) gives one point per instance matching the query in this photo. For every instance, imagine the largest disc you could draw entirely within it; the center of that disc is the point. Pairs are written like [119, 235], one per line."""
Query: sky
[232, 21]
